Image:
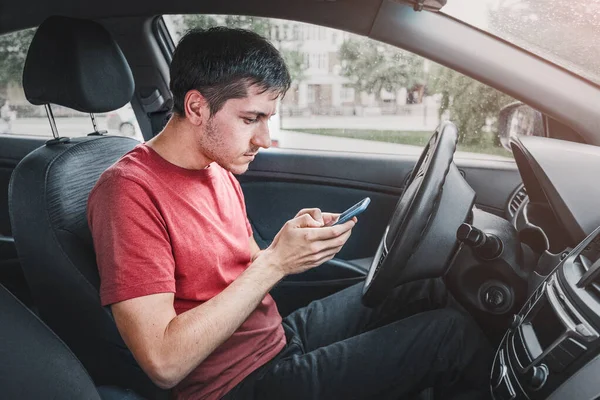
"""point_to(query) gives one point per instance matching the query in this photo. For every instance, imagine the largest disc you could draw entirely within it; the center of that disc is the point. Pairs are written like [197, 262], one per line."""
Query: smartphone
[353, 211]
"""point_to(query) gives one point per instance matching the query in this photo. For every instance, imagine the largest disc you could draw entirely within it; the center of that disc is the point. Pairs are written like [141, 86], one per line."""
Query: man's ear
[196, 107]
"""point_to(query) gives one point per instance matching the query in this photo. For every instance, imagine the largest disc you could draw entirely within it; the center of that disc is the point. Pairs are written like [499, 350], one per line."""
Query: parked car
[123, 121]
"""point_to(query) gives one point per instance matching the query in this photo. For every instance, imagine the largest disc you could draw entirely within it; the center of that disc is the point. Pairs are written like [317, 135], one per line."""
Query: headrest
[75, 63]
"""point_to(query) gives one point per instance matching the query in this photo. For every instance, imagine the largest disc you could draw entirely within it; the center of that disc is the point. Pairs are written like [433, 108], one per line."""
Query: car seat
[73, 63]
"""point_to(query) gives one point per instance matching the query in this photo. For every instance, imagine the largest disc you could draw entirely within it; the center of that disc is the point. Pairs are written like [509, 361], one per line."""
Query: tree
[470, 103]
[13, 51]
[373, 67]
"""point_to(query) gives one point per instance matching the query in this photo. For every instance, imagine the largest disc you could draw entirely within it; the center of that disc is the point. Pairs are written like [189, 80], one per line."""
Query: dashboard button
[539, 375]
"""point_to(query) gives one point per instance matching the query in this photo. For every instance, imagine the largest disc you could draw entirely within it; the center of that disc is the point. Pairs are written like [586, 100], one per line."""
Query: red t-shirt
[160, 228]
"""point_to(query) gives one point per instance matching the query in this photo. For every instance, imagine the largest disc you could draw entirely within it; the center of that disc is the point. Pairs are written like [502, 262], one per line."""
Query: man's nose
[262, 138]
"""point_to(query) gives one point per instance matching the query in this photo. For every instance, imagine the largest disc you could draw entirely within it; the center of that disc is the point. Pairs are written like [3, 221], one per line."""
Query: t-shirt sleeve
[240, 194]
[132, 245]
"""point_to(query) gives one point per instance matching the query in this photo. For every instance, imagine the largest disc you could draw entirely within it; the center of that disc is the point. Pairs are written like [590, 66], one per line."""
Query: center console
[552, 349]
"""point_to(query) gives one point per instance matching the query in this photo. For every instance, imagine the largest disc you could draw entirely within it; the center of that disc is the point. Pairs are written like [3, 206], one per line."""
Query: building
[321, 88]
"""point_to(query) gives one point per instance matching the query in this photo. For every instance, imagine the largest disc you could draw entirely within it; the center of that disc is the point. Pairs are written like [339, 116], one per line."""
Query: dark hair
[222, 63]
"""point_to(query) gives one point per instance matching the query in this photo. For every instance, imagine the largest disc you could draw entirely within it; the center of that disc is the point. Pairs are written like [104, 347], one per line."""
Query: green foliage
[373, 66]
[295, 64]
[13, 51]
[470, 104]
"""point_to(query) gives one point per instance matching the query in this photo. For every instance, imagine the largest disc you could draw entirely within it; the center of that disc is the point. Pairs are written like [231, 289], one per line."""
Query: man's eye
[250, 120]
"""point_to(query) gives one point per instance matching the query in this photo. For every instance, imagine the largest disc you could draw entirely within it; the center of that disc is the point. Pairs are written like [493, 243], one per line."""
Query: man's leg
[441, 349]
[342, 315]
[339, 343]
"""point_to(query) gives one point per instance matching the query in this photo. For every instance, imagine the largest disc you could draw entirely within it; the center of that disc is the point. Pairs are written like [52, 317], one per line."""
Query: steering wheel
[413, 215]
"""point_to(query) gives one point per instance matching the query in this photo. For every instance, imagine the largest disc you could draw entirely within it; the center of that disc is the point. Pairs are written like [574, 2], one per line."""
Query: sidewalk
[380, 122]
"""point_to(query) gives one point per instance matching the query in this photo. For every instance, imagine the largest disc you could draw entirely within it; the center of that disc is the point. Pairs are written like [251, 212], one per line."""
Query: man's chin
[237, 169]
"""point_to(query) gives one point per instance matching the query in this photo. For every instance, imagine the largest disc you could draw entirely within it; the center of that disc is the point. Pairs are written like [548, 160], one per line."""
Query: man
[188, 285]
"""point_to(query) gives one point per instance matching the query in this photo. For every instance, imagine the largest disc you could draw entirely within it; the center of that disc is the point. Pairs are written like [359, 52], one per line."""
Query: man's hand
[325, 218]
[304, 242]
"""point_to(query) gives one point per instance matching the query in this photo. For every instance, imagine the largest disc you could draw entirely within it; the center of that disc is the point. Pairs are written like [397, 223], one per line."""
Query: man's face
[233, 135]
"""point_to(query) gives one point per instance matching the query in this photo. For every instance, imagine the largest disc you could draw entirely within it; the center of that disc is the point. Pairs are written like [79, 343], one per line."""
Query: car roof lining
[355, 16]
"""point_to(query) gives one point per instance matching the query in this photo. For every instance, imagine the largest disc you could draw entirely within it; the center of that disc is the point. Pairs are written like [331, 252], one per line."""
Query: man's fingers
[325, 256]
[330, 218]
[335, 243]
[313, 212]
[306, 221]
[330, 232]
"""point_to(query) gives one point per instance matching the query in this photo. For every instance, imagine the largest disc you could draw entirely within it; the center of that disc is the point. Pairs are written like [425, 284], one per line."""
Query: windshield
[565, 32]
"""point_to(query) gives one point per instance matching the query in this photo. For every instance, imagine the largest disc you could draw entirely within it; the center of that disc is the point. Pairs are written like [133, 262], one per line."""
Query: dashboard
[559, 181]
[552, 348]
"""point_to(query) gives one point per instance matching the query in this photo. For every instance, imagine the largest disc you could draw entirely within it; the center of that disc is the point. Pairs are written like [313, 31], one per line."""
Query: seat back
[49, 190]
[36, 364]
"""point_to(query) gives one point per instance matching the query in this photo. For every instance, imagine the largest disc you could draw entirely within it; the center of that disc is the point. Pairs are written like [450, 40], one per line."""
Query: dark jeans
[339, 349]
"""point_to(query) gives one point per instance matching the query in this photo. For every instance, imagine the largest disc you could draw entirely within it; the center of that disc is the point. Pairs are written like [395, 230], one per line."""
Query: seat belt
[158, 120]
[158, 109]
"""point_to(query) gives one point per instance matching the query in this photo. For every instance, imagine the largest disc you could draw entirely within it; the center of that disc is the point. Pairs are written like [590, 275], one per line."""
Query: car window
[351, 93]
[19, 117]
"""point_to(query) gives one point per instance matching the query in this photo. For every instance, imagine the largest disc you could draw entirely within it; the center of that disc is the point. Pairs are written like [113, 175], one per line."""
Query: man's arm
[254, 249]
[169, 346]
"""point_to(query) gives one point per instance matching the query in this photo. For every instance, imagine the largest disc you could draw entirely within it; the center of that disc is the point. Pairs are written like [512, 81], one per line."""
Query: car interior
[515, 240]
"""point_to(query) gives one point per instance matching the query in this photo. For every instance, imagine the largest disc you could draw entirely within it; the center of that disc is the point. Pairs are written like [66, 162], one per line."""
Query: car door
[280, 183]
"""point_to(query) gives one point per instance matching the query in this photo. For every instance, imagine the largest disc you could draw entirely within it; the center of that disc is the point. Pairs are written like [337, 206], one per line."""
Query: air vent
[516, 201]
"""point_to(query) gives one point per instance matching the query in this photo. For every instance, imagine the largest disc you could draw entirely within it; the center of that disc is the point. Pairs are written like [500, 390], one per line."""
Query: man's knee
[455, 326]
[461, 337]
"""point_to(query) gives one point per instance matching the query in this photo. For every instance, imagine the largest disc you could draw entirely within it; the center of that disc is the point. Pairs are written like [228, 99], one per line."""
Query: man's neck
[176, 143]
